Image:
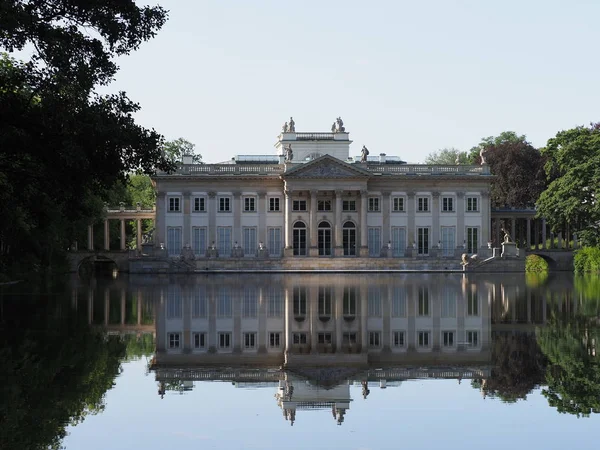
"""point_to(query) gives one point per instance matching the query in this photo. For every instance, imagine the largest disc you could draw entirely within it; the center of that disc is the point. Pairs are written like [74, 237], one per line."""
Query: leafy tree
[518, 168]
[447, 156]
[573, 170]
[174, 150]
[64, 145]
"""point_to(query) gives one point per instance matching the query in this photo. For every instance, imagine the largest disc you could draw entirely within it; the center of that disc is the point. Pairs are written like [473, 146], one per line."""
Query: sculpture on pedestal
[364, 153]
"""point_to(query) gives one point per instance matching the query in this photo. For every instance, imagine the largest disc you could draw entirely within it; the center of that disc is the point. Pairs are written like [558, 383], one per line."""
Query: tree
[63, 145]
[174, 150]
[517, 167]
[573, 172]
[447, 156]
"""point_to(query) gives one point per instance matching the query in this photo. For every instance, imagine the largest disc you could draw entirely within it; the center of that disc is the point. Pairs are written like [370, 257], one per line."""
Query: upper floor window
[348, 205]
[472, 204]
[447, 204]
[398, 204]
[299, 205]
[249, 204]
[199, 204]
[373, 204]
[174, 204]
[324, 205]
[274, 204]
[423, 204]
[224, 204]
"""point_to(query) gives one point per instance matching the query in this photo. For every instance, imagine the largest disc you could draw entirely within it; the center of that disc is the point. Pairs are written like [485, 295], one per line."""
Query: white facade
[321, 203]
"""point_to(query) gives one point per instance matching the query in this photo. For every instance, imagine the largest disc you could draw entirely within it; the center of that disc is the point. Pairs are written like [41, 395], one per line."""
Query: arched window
[324, 238]
[299, 238]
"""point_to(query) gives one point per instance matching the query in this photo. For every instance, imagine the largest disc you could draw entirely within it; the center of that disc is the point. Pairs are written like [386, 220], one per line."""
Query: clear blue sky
[407, 77]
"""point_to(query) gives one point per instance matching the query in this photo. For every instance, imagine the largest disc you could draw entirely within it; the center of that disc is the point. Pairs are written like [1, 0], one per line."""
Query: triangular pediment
[326, 167]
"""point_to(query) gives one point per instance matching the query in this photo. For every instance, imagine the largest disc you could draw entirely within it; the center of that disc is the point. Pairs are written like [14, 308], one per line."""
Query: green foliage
[447, 156]
[517, 167]
[174, 150]
[55, 371]
[63, 145]
[573, 170]
[587, 259]
[137, 347]
[535, 263]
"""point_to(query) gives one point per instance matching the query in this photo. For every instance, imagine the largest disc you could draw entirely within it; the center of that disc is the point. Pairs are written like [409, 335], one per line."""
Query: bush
[587, 259]
[535, 263]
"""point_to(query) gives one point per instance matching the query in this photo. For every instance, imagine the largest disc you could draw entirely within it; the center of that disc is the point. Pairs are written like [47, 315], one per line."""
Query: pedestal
[509, 250]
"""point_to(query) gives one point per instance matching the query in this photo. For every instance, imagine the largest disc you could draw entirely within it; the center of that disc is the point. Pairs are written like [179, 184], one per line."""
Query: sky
[407, 77]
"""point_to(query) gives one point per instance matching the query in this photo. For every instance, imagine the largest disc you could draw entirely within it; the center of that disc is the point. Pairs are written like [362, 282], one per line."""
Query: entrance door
[448, 241]
[324, 235]
[423, 241]
[299, 239]
[349, 238]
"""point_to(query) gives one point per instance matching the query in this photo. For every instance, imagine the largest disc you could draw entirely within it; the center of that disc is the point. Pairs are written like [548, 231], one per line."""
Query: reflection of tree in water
[55, 371]
[518, 367]
[573, 377]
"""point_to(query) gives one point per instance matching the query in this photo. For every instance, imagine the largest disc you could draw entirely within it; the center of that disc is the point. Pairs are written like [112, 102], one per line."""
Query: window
[224, 204]
[249, 340]
[374, 241]
[399, 302]
[423, 338]
[349, 307]
[224, 340]
[448, 303]
[348, 205]
[472, 239]
[250, 302]
[374, 301]
[199, 303]
[472, 204]
[249, 204]
[422, 204]
[199, 243]
[375, 339]
[398, 339]
[447, 204]
[373, 204]
[174, 241]
[274, 203]
[224, 302]
[299, 301]
[472, 303]
[275, 302]
[325, 296]
[398, 241]
[398, 204]
[224, 240]
[199, 204]
[299, 338]
[174, 204]
[249, 240]
[324, 205]
[199, 340]
[423, 301]
[349, 338]
[423, 241]
[324, 338]
[173, 303]
[274, 340]
[448, 338]
[274, 241]
[299, 205]
[448, 241]
[174, 340]
[472, 338]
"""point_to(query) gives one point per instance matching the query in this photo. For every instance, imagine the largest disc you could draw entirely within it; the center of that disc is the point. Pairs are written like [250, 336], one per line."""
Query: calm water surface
[301, 361]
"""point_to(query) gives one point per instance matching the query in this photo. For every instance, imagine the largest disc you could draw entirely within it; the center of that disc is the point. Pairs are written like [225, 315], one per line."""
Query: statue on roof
[292, 125]
[284, 128]
[338, 126]
[289, 154]
[364, 153]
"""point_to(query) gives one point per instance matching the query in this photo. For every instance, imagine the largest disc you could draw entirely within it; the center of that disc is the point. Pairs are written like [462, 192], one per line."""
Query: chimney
[187, 159]
[382, 158]
[281, 159]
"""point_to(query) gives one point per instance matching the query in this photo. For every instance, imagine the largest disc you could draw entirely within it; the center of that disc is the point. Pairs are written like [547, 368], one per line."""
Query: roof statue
[289, 154]
[284, 128]
[364, 153]
[338, 126]
[292, 125]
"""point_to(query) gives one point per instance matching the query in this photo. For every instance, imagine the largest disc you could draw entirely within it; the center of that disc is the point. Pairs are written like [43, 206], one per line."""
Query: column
[435, 220]
[91, 237]
[90, 305]
[485, 220]
[288, 321]
[364, 250]
[338, 313]
[410, 215]
[262, 320]
[160, 231]
[123, 305]
[138, 232]
[262, 218]
[460, 220]
[140, 299]
[187, 219]
[385, 232]
[544, 234]
[528, 246]
[106, 305]
[338, 243]
[363, 301]
[106, 235]
[123, 236]
[212, 218]
[313, 250]
[237, 218]
[288, 219]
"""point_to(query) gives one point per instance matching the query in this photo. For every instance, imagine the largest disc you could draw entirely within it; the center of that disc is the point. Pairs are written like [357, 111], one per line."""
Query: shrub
[535, 263]
[587, 259]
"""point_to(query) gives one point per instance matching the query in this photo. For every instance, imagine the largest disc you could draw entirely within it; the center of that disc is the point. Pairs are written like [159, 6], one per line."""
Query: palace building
[312, 198]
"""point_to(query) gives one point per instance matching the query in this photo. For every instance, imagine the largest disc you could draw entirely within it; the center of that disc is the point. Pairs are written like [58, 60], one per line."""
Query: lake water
[301, 361]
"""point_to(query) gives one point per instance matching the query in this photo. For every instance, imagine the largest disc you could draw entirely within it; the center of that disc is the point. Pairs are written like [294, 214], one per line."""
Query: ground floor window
[299, 239]
[174, 241]
[398, 241]
[249, 240]
[224, 240]
[472, 239]
[274, 241]
[199, 243]
[423, 241]
[374, 241]
[448, 240]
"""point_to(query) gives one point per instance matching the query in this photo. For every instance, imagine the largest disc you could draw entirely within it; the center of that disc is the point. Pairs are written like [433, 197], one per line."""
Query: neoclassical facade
[312, 199]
